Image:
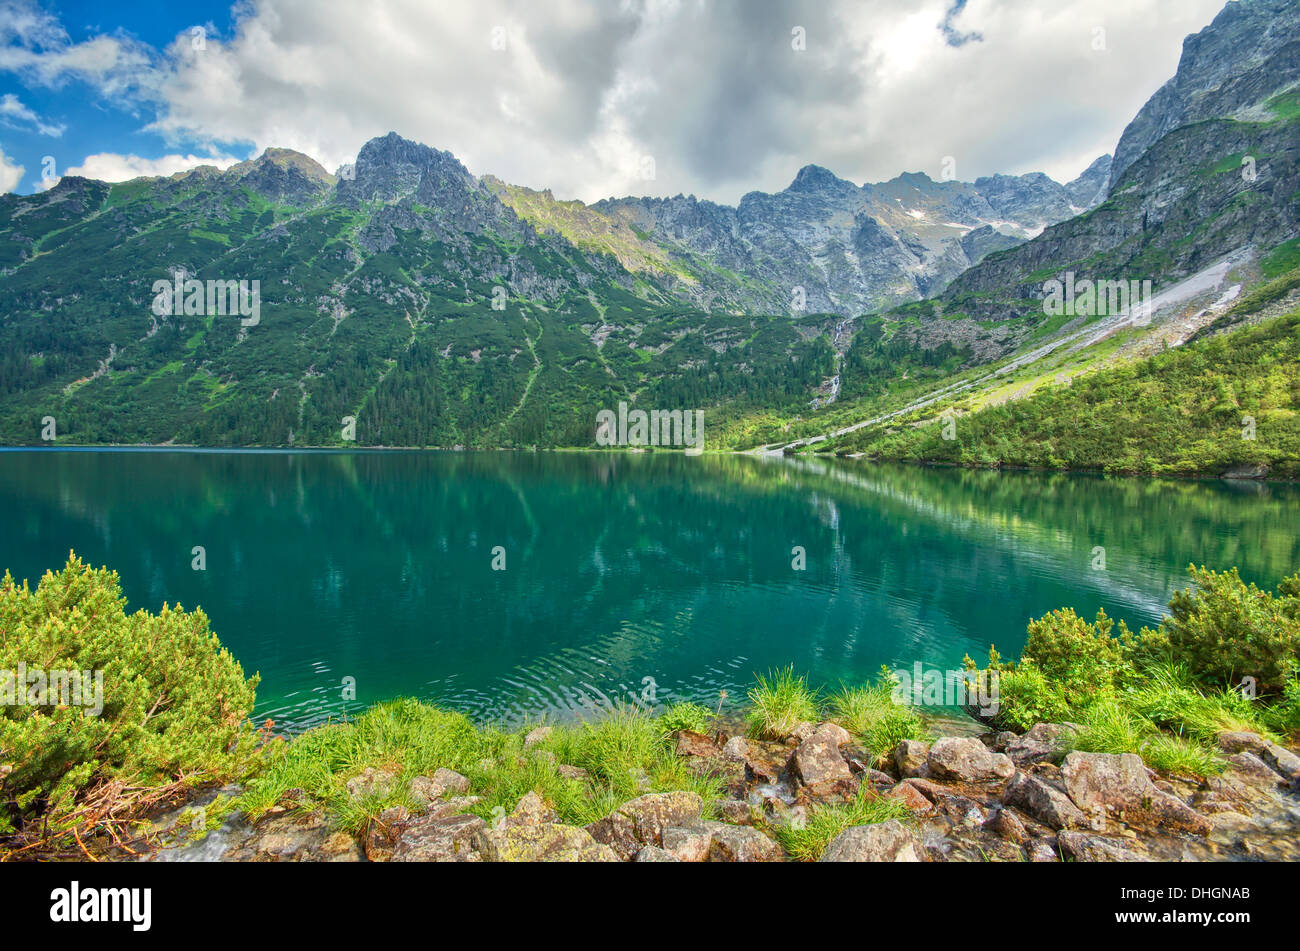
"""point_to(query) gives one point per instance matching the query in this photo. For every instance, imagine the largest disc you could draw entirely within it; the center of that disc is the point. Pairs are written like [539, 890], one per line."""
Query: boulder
[1118, 785]
[968, 760]
[742, 844]
[879, 842]
[296, 836]
[531, 810]
[1044, 741]
[1037, 799]
[911, 759]
[544, 842]
[573, 772]
[691, 842]
[451, 838]
[642, 821]
[1086, 847]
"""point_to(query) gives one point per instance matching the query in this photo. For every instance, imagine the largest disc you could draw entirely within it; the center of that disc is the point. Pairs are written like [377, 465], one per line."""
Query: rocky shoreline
[993, 797]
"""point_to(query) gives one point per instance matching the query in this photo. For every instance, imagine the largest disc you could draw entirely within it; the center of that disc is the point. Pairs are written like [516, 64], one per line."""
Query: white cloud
[10, 174]
[15, 114]
[35, 46]
[112, 167]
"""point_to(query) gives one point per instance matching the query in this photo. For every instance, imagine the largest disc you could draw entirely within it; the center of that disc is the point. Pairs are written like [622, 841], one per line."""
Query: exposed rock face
[1104, 784]
[1249, 53]
[968, 760]
[879, 842]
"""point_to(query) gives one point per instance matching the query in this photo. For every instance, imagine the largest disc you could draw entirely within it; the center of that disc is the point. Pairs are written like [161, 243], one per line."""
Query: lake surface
[626, 576]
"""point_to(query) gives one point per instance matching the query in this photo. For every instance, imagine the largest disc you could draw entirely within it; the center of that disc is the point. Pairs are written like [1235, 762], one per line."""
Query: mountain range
[435, 307]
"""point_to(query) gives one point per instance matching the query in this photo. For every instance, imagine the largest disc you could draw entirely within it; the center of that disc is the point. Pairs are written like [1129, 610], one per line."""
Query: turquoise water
[626, 576]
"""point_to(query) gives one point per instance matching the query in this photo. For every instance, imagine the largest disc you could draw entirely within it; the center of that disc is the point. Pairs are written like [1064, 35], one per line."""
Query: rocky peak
[283, 175]
[816, 178]
[1246, 56]
[389, 168]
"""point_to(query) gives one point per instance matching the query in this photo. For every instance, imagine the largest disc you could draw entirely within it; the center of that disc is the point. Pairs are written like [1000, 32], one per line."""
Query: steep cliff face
[1248, 55]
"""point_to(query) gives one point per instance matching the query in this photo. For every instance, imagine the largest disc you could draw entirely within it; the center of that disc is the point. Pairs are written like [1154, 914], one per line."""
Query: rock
[451, 838]
[801, 732]
[1234, 741]
[1120, 786]
[911, 758]
[911, 797]
[736, 811]
[537, 735]
[961, 811]
[1041, 850]
[879, 842]
[1253, 771]
[968, 760]
[1086, 847]
[834, 732]
[371, 783]
[642, 821]
[999, 742]
[877, 778]
[763, 761]
[1044, 741]
[429, 789]
[817, 762]
[1035, 798]
[690, 843]
[544, 842]
[573, 772]
[1007, 825]
[652, 853]
[452, 806]
[531, 810]
[1282, 761]
[742, 844]
[695, 744]
[930, 790]
[382, 831]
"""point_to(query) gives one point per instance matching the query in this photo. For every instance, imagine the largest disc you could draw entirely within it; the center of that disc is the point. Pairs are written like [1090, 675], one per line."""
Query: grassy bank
[176, 705]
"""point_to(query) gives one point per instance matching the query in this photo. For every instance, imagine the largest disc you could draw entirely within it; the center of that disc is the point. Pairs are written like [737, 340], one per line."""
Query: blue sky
[575, 95]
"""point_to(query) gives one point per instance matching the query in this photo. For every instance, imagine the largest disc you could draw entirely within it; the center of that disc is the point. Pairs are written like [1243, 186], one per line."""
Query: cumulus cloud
[112, 167]
[10, 174]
